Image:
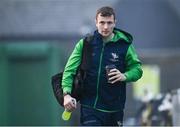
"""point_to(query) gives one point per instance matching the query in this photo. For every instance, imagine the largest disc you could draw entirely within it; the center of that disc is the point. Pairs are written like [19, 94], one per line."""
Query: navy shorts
[93, 117]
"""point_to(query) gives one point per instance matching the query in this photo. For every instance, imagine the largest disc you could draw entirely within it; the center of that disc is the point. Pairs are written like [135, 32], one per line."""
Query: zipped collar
[118, 35]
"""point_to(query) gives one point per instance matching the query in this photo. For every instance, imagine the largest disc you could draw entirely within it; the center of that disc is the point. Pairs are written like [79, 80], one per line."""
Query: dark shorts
[92, 117]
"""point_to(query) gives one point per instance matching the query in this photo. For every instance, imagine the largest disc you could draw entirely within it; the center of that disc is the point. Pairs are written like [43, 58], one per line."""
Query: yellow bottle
[66, 115]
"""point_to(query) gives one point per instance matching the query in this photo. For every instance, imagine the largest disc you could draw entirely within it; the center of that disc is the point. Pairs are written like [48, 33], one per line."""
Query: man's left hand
[115, 76]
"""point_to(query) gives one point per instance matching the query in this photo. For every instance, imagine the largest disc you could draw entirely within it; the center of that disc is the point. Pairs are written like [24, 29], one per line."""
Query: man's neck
[107, 39]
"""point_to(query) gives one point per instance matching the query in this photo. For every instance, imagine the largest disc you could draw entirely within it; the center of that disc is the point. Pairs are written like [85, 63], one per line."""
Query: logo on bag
[114, 58]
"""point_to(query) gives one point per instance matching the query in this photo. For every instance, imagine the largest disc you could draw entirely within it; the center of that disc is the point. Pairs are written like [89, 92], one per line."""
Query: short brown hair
[105, 11]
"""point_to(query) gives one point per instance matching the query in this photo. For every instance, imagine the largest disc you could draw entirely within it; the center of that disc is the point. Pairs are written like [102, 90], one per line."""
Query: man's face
[105, 25]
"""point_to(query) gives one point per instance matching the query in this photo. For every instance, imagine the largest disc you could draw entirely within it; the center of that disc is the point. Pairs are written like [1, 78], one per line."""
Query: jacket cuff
[127, 77]
[67, 90]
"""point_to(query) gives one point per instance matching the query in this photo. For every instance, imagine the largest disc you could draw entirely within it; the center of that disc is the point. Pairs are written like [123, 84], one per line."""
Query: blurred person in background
[104, 95]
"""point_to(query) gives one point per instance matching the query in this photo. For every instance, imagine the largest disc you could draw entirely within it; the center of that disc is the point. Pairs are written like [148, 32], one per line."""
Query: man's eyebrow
[109, 22]
[102, 21]
[105, 21]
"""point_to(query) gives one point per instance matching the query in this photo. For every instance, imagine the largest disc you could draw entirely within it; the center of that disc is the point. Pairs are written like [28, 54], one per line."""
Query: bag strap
[86, 52]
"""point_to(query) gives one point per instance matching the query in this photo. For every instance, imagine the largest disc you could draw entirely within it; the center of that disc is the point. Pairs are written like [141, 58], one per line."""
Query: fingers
[118, 79]
[70, 106]
[114, 72]
[69, 103]
[115, 76]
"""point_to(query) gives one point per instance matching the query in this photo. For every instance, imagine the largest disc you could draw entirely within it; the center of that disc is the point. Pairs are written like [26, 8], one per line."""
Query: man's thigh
[91, 117]
[116, 119]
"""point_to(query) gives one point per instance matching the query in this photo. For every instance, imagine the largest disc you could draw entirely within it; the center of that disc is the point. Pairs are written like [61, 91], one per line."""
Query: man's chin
[105, 35]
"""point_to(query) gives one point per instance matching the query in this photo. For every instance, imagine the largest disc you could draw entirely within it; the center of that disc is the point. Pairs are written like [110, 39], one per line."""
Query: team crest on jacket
[114, 58]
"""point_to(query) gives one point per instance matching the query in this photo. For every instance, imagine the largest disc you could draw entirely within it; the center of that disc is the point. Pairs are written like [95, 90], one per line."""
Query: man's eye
[102, 22]
[110, 23]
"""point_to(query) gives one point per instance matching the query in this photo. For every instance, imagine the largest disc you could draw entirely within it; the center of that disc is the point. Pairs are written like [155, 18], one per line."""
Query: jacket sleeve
[133, 70]
[71, 67]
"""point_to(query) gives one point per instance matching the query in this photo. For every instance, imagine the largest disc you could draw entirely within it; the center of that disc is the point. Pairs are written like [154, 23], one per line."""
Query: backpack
[77, 86]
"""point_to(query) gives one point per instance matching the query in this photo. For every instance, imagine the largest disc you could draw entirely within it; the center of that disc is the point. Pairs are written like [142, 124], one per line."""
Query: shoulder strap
[86, 52]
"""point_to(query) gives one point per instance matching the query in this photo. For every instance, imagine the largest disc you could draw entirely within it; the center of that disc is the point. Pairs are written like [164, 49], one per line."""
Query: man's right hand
[69, 103]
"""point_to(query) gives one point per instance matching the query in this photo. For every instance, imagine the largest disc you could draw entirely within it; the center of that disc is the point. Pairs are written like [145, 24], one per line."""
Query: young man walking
[113, 63]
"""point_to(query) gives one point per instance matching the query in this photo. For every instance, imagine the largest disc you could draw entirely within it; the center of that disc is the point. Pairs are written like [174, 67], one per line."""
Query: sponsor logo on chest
[114, 57]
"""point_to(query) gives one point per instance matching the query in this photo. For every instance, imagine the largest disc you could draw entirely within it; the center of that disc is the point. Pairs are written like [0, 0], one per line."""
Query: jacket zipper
[99, 73]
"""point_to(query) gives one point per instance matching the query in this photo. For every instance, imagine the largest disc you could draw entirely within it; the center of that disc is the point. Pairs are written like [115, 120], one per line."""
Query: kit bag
[77, 86]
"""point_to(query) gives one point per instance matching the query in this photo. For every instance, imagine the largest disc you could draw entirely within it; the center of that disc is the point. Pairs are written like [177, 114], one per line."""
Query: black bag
[77, 86]
[57, 88]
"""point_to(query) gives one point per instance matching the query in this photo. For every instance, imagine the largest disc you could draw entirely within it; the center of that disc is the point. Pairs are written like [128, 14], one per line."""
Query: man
[104, 94]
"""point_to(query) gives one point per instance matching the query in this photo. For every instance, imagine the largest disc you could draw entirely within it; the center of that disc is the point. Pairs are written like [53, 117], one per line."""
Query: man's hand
[115, 76]
[69, 103]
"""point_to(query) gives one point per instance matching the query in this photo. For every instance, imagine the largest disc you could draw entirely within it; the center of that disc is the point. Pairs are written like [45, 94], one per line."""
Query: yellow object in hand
[66, 115]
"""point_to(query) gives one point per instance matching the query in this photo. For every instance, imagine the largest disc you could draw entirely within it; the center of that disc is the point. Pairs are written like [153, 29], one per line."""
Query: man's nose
[105, 25]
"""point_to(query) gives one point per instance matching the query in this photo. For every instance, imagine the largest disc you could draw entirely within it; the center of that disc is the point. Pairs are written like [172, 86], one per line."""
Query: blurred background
[37, 37]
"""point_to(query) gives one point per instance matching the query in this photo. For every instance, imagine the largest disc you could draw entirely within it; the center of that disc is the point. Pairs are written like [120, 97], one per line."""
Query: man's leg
[116, 118]
[91, 117]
